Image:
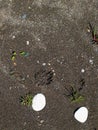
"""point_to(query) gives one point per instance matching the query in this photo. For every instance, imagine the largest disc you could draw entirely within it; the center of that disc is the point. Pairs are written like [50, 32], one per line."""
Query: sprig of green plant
[78, 98]
[23, 53]
[95, 33]
[26, 100]
[74, 95]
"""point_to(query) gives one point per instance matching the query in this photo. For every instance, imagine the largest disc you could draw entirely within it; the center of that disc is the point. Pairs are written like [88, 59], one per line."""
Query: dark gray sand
[54, 34]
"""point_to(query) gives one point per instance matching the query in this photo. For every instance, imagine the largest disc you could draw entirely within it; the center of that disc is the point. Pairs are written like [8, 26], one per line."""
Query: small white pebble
[38, 116]
[37, 61]
[29, 7]
[52, 69]
[27, 42]
[91, 61]
[49, 64]
[44, 64]
[54, 74]
[28, 76]
[82, 70]
[58, 60]
[88, 30]
[24, 123]
[13, 37]
[23, 86]
[42, 121]
[38, 39]
[10, 88]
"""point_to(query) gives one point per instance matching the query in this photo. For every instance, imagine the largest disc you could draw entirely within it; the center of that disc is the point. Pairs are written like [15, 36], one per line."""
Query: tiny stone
[10, 88]
[28, 43]
[88, 30]
[82, 70]
[14, 63]
[38, 39]
[49, 64]
[41, 121]
[91, 61]
[28, 76]
[52, 70]
[25, 123]
[54, 74]
[13, 37]
[44, 64]
[58, 60]
[38, 61]
[23, 86]
[29, 7]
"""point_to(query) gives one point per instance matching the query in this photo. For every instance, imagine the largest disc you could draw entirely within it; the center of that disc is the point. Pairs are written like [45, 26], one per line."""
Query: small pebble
[29, 7]
[38, 39]
[38, 61]
[54, 74]
[44, 64]
[41, 121]
[24, 123]
[28, 76]
[27, 42]
[58, 60]
[52, 70]
[13, 37]
[49, 64]
[14, 64]
[38, 116]
[62, 79]
[91, 61]
[88, 30]
[10, 88]
[82, 70]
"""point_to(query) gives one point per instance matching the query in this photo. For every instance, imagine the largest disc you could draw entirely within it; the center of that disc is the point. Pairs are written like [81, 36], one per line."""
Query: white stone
[44, 64]
[49, 64]
[88, 30]
[13, 37]
[38, 102]
[38, 39]
[29, 7]
[27, 42]
[37, 61]
[81, 114]
[82, 70]
[41, 121]
[91, 61]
